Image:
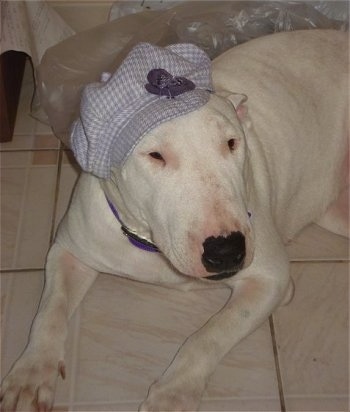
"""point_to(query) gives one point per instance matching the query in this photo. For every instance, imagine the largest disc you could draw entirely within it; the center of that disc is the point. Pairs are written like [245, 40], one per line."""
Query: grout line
[19, 270]
[5, 342]
[321, 260]
[277, 364]
[74, 358]
[4, 316]
[21, 216]
[57, 189]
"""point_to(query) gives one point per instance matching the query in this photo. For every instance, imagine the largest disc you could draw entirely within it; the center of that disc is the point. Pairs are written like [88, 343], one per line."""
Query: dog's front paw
[30, 385]
[172, 396]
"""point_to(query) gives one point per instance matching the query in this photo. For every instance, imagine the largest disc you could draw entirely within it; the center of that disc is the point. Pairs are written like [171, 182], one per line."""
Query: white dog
[218, 190]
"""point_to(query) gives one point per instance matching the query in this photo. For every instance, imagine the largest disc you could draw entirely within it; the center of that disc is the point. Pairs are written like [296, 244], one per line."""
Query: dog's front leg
[30, 385]
[181, 386]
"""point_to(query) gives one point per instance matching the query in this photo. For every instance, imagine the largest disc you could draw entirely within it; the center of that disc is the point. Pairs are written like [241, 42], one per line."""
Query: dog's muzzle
[224, 255]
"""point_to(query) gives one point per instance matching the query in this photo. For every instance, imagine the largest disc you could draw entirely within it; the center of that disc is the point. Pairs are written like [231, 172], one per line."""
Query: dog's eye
[157, 156]
[231, 144]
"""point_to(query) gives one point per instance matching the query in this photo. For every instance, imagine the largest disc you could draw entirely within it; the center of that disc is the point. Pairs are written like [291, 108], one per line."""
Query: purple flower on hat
[163, 83]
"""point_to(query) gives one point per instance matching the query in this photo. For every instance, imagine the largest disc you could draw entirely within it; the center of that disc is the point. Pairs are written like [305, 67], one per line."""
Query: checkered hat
[152, 85]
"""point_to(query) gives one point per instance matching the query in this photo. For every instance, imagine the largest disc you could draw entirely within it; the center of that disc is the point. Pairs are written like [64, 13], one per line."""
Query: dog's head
[185, 186]
[176, 154]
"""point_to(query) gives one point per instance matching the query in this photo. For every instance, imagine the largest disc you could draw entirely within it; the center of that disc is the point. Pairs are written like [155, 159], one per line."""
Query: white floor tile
[27, 202]
[36, 222]
[131, 331]
[316, 243]
[23, 303]
[313, 338]
[12, 189]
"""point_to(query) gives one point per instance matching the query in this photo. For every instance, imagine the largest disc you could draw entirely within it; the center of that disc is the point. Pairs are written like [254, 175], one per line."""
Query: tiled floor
[297, 361]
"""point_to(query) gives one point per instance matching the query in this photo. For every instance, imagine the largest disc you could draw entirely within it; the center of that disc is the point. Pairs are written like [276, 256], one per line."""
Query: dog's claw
[62, 369]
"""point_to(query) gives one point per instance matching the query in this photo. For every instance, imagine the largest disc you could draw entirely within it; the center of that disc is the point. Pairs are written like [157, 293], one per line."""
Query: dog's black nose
[224, 254]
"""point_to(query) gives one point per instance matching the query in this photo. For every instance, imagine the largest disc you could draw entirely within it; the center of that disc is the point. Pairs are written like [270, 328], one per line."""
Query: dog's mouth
[227, 273]
[220, 276]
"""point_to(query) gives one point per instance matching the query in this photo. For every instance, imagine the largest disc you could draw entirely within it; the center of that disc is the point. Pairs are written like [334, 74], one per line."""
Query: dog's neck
[138, 234]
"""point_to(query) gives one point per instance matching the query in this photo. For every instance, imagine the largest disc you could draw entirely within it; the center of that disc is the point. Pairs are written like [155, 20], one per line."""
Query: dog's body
[260, 173]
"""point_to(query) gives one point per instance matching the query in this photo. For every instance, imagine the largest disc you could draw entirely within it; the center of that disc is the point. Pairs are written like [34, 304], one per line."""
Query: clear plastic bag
[214, 26]
[334, 10]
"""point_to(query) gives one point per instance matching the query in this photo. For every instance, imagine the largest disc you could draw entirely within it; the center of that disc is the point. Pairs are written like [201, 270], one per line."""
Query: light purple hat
[152, 85]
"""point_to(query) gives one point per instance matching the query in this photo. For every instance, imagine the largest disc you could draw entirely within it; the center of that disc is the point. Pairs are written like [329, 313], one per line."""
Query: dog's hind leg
[336, 218]
[30, 384]
[289, 293]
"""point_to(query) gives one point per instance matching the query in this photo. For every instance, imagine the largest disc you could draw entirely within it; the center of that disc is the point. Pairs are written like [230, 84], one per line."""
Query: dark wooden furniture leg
[11, 74]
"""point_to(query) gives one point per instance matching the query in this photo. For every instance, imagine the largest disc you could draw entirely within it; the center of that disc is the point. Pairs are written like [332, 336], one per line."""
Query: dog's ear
[237, 100]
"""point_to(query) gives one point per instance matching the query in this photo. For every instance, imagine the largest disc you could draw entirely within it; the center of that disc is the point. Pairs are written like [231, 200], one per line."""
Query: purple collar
[133, 238]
